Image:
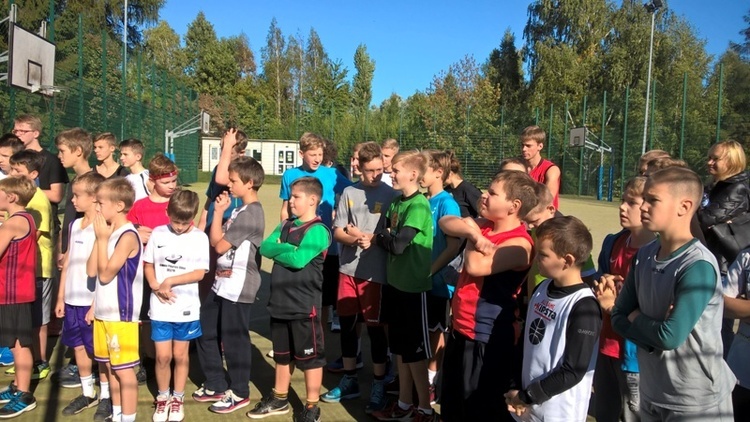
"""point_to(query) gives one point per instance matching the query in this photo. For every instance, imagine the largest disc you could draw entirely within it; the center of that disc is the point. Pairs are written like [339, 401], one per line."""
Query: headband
[163, 176]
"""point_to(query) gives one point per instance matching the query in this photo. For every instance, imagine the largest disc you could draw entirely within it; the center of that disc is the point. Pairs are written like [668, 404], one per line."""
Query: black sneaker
[269, 406]
[79, 404]
[103, 410]
[309, 414]
[22, 402]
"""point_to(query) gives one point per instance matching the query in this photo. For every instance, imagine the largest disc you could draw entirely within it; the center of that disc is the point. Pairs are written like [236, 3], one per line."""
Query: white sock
[431, 375]
[128, 418]
[116, 413]
[87, 384]
[403, 405]
[103, 390]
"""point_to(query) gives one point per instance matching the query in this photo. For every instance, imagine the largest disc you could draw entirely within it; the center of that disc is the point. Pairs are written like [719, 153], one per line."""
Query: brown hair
[310, 186]
[118, 190]
[183, 206]
[310, 140]
[512, 160]
[663, 162]
[248, 168]
[90, 181]
[107, 136]
[455, 163]
[32, 160]
[135, 145]
[11, 141]
[543, 196]
[634, 186]
[439, 160]
[160, 165]
[681, 181]
[330, 152]
[651, 155]
[569, 236]
[23, 188]
[413, 160]
[533, 133]
[518, 186]
[31, 120]
[75, 139]
[369, 151]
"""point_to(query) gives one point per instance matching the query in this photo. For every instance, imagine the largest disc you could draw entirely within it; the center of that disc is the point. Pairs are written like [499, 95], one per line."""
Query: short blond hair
[733, 152]
[533, 133]
[390, 143]
[310, 140]
[107, 136]
[651, 155]
[90, 181]
[634, 187]
[31, 120]
[23, 188]
[118, 189]
[413, 160]
[76, 138]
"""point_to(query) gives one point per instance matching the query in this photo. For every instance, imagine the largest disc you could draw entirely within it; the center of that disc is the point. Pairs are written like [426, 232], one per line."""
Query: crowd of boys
[488, 303]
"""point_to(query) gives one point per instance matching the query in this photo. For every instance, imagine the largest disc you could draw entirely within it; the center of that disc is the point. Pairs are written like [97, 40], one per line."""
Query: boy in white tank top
[562, 329]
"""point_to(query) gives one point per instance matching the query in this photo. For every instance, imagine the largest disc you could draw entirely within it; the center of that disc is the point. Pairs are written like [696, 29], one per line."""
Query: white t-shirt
[139, 182]
[79, 288]
[121, 298]
[387, 179]
[736, 284]
[174, 255]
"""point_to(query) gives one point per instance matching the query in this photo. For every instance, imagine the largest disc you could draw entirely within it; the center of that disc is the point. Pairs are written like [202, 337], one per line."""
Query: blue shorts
[180, 331]
[75, 331]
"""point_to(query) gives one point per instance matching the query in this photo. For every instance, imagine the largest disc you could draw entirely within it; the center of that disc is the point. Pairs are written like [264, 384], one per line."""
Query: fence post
[684, 106]
[580, 154]
[51, 37]
[624, 137]
[549, 132]
[140, 96]
[564, 147]
[80, 70]
[653, 121]
[331, 121]
[105, 122]
[11, 91]
[152, 115]
[502, 132]
[600, 185]
[718, 108]
[401, 123]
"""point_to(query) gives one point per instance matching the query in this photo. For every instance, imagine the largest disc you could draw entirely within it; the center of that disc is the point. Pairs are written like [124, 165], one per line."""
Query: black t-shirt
[119, 172]
[52, 171]
[467, 196]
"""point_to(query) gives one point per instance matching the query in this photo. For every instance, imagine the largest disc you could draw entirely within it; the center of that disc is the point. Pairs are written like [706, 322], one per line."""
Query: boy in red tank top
[541, 170]
[18, 250]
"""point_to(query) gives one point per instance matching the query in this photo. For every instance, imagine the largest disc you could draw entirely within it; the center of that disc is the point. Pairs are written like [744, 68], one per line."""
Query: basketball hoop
[54, 95]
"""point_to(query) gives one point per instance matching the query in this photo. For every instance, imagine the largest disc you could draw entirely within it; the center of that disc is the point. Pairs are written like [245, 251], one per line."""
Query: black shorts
[146, 302]
[15, 324]
[299, 341]
[437, 313]
[406, 316]
[330, 280]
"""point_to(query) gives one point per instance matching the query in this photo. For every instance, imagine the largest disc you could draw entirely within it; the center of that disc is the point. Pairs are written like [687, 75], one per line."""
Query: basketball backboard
[31, 61]
[205, 122]
[577, 137]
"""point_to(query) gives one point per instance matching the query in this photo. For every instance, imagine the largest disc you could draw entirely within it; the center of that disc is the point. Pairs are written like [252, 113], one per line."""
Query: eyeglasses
[21, 131]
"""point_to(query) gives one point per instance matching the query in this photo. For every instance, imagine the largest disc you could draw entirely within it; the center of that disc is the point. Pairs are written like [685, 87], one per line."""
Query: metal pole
[123, 109]
[625, 135]
[653, 111]
[140, 96]
[51, 36]
[684, 106]
[565, 131]
[580, 154]
[502, 132]
[549, 132]
[648, 82]
[600, 186]
[104, 79]
[721, 92]
[401, 124]
[80, 70]
[11, 89]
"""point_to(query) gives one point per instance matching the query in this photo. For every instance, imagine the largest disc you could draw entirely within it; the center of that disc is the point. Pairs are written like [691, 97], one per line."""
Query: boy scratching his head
[671, 306]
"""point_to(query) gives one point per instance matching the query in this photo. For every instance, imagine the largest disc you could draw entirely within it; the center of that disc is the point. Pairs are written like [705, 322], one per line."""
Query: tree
[743, 47]
[162, 46]
[275, 66]
[504, 68]
[362, 83]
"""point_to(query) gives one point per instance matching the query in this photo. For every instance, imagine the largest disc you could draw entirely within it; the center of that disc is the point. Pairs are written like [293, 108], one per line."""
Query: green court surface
[600, 217]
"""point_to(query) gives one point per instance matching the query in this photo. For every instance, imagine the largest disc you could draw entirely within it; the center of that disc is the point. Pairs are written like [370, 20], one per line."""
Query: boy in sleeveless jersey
[18, 253]
[671, 306]
[562, 329]
[540, 169]
[117, 261]
[480, 354]
[298, 248]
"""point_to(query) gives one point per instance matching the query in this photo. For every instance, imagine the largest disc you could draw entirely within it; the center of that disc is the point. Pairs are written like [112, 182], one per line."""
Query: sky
[411, 41]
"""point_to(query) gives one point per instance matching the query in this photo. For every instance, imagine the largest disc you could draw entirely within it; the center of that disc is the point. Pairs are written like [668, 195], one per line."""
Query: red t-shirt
[622, 255]
[148, 213]
[539, 173]
[18, 267]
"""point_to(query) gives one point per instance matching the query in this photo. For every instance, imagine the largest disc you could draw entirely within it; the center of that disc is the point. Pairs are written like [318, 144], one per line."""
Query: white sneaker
[161, 414]
[176, 411]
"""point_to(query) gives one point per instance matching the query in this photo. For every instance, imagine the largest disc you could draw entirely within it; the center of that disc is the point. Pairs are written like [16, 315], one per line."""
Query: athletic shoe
[176, 410]
[309, 414]
[40, 371]
[20, 403]
[229, 403]
[68, 377]
[103, 410]
[79, 404]
[348, 388]
[423, 417]
[269, 406]
[161, 413]
[378, 400]
[394, 413]
[141, 375]
[204, 395]
[270, 354]
[6, 357]
[8, 393]
[393, 387]
[337, 366]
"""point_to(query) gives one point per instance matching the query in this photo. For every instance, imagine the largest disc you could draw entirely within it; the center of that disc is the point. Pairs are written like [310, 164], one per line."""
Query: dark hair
[310, 186]
[569, 236]
[183, 205]
[519, 186]
[368, 151]
[440, 160]
[681, 181]
[512, 160]
[11, 141]
[76, 138]
[32, 160]
[248, 168]
[134, 144]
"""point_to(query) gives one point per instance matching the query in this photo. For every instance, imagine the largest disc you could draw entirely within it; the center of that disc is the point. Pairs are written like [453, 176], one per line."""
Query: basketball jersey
[544, 345]
[139, 181]
[18, 266]
[79, 287]
[539, 173]
[121, 298]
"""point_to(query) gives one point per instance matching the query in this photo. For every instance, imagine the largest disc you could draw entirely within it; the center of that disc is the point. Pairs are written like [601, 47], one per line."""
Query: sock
[311, 403]
[87, 384]
[180, 395]
[431, 375]
[280, 396]
[427, 411]
[116, 413]
[128, 418]
[103, 390]
[164, 393]
[403, 405]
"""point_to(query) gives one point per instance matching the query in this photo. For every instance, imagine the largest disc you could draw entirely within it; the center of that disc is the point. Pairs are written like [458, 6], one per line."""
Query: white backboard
[577, 137]
[31, 61]
[205, 122]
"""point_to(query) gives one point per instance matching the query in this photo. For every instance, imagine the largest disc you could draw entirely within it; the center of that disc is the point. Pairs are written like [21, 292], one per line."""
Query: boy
[513, 163]
[390, 149]
[9, 145]
[480, 354]
[406, 234]
[736, 305]
[562, 330]
[225, 314]
[671, 306]
[540, 169]
[362, 276]
[75, 295]
[444, 250]
[464, 192]
[298, 248]
[18, 254]
[131, 155]
[616, 375]
[356, 173]
[28, 163]
[117, 263]
[52, 176]
[105, 145]
[176, 259]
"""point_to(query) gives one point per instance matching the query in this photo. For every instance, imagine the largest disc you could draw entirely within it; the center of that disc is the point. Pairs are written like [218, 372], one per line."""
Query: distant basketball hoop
[54, 95]
[30, 57]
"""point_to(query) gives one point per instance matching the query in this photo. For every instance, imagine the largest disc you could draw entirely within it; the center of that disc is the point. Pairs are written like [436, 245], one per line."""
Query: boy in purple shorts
[75, 296]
